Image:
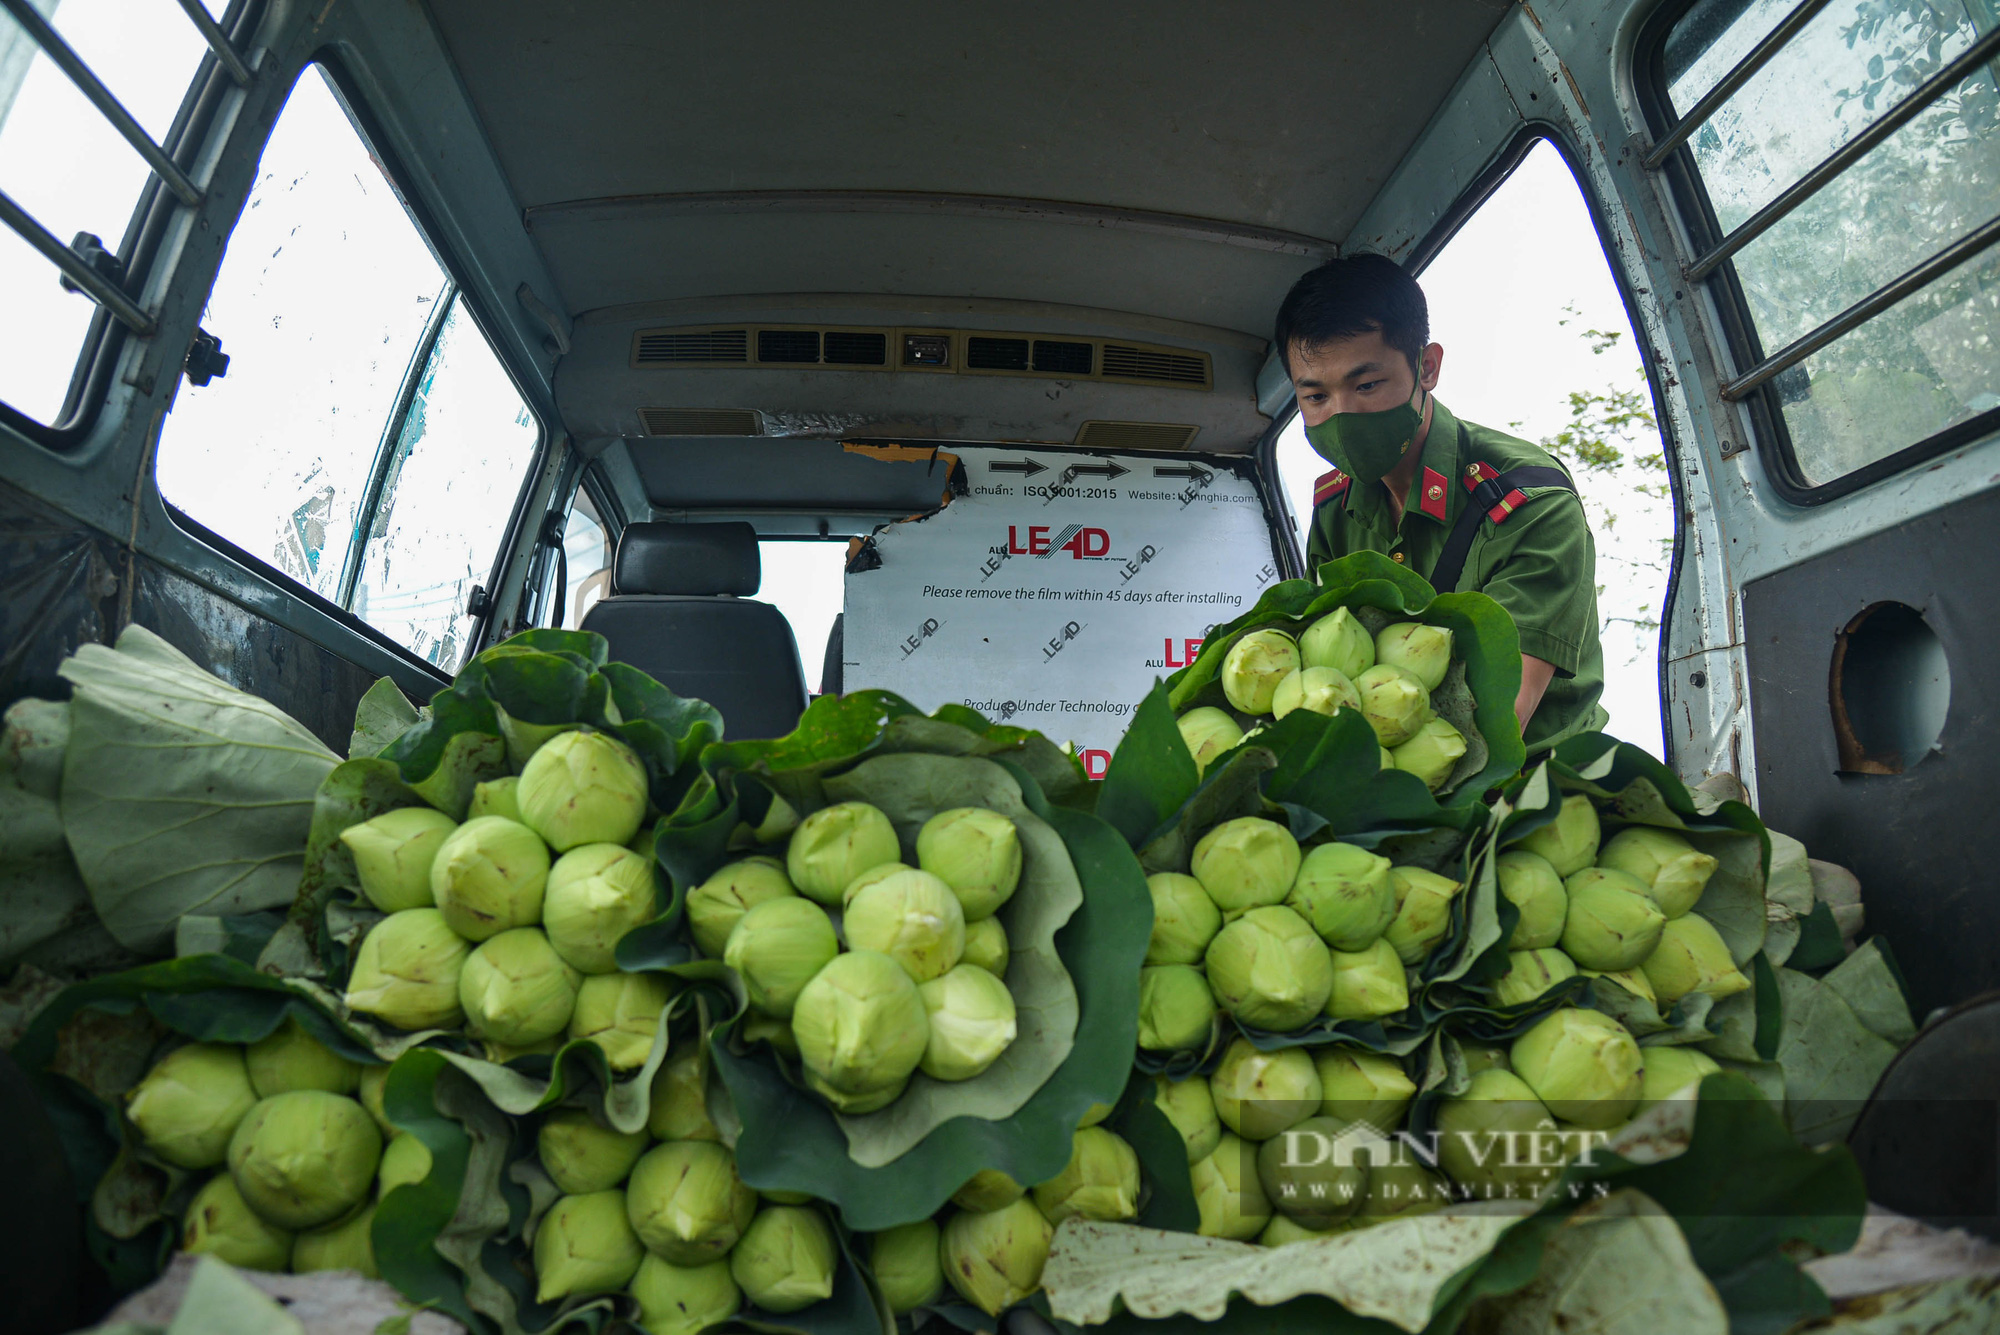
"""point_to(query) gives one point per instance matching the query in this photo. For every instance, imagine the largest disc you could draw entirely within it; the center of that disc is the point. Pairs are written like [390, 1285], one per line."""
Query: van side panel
[1924, 842]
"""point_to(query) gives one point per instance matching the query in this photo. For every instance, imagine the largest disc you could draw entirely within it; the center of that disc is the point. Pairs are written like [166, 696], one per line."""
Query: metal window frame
[145, 230]
[1753, 385]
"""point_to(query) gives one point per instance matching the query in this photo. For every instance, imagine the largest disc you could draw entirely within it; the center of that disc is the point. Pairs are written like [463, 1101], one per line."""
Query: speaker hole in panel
[1890, 690]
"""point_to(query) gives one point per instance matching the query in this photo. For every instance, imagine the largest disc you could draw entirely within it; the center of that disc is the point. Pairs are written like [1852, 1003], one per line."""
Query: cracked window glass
[324, 297]
[448, 489]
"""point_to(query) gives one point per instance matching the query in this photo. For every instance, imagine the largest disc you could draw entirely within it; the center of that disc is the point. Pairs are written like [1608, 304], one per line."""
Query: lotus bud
[1497, 1138]
[407, 969]
[1631, 980]
[986, 946]
[1094, 1115]
[905, 1264]
[497, 797]
[987, 1189]
[971, 1015]
[1270, 970]
[305, 1158]
[1583, 1065]
[1258, 1094]
[620, 1012]
[1422, 651]
[1101, 1180]
[687, 1203]
[1672, 1073]
[1367, 984]
[1673, 870]
[1612, 922]
[516, 989]
[1319, 690]
[584, 1244]
[1395, 703]
[1401, 1191]
[855, 1103]
[1254, 666]
[836, 844]
[678, 1109]
[1692, 957]
[1432, 754]
[405, 1160]
[374, 1080]
[786, 1259]
[1230, 1199]
[1283, 1230]
[777, 947]
[1423, 912]
[861, 1024]
[1346, 894]
[780, 819]
[1176, 1010]
[1479, 1057]
[489, 875]
[761, 1028]
[220, 1223]
[994, 1258]
[1388, 758]
[1530, 974]
[393, 855]
[189, 1104]
[977, 853]
[714, 906]
[913, 917]
[1207, 732]
[596, 893]
[1569, 842]
[1339, 642]
[1191, 1108]
[1303, 1177]
[1358, 1086]
[1246, 863]
[683, 1300]
[880, 872]
[583, 788]
[582, 1157]
[347, 1244]
[1185, 919]
[1532, 886]
[289, 1058]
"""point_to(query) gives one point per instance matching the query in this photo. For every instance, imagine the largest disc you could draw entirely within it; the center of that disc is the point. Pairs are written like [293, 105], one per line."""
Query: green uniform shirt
[1539, 563]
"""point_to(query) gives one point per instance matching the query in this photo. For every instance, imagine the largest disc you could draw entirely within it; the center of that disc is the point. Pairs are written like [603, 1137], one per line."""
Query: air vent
[1135, 435]
[996, 354]
[788, 345]
[1056, 357]
[849, 347]
[700, 422]
[1124, 361]
[658, 348]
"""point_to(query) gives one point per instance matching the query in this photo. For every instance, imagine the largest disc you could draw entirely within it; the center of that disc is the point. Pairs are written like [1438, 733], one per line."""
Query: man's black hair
[1354, 295]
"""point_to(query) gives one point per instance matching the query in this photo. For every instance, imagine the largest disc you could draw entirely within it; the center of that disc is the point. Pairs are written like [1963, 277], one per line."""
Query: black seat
[680, 609]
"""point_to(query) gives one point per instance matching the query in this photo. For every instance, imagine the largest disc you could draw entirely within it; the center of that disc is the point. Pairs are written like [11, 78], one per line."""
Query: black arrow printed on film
[1025, 467]
[1192, 472]
[1108, 471]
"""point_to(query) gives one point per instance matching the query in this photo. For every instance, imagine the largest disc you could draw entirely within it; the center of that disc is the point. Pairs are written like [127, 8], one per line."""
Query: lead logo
[1080, 541]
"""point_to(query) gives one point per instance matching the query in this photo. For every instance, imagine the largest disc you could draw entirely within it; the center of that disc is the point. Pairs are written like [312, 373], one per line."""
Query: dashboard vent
[681, 347]
[700, 422]
[1135, 436]
[1126, 361]
[788, 345]
[996, 354]
[1056, 357]
[853, 347]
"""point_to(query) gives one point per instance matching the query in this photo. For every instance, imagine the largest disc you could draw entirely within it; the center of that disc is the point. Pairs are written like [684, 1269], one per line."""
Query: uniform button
[1435, 492]
[1472, 471]
[1397, 557]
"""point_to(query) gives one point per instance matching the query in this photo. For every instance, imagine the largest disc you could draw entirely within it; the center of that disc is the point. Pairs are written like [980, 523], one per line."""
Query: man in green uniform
[1466, 507]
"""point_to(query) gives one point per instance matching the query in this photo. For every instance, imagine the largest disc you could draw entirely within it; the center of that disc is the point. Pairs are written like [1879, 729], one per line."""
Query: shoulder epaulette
[1478, 473]
[1328, 486]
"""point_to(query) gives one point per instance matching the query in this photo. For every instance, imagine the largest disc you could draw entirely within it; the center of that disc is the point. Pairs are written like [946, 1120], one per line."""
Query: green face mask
[1365, 446]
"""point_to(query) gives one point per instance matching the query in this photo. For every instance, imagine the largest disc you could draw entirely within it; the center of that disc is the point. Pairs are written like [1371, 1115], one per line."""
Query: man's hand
[1535, 676]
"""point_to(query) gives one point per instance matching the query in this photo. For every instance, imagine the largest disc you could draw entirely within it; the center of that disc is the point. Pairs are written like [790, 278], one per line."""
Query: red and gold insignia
[1328, 486]
[1432, 499]
[1478, 473]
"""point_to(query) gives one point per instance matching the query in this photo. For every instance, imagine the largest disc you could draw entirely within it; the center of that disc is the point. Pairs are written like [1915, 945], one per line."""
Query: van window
[1817, 200]
[65, 166]
[806, 580]
[586, 558]
[366, 441]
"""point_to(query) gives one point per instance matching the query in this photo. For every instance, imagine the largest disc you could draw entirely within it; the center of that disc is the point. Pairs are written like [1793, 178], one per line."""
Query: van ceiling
[1159, 172]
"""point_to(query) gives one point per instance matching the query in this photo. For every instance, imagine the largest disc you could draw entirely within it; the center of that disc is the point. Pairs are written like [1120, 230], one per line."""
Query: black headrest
[688, 560]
